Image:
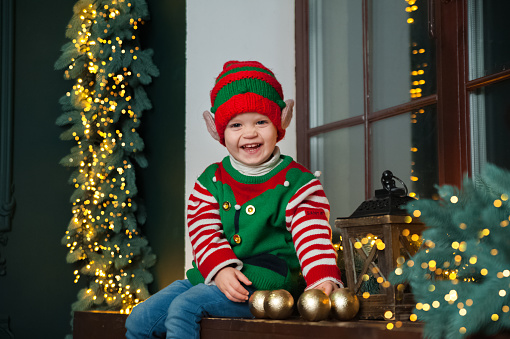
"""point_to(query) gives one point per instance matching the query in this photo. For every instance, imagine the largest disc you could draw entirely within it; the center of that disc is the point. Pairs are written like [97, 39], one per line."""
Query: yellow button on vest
[250, 209]
[237, 238]
[226, 205]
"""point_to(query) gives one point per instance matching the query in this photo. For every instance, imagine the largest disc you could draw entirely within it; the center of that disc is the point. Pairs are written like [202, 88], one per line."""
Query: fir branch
[460, 279]
[102, 114]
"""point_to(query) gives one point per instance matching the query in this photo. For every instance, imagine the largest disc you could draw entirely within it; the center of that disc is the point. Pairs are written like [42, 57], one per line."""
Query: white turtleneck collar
[258, 170]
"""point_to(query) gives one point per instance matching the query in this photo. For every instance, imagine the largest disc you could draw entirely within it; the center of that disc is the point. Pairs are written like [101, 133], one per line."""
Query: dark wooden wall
[37, 291]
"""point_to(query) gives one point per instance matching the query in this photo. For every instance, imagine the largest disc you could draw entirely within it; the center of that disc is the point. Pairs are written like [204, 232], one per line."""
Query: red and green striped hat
[243, 87]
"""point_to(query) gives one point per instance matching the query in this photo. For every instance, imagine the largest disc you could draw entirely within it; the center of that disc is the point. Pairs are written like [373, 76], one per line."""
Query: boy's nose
[250, 132]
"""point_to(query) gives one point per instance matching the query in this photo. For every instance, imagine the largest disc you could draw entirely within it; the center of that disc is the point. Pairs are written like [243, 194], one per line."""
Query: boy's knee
[179, 304]
[145, 322]
[187, 305]
[135, 318]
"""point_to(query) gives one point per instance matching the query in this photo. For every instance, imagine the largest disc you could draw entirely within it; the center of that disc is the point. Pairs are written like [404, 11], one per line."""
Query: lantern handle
[389, 184]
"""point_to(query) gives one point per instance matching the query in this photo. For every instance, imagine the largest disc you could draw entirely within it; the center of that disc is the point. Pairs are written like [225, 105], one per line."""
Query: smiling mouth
[251, 147]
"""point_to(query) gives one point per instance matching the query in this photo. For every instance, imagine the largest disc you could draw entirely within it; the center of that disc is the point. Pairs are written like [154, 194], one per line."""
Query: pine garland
[102, 114]
[460, 278]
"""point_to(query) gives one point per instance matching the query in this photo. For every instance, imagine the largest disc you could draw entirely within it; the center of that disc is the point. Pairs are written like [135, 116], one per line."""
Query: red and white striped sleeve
[307, 216]
[211, 251]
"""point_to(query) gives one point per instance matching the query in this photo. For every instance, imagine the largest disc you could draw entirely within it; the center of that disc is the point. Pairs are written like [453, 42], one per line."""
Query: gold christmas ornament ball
[279, 304]
[314, 305]
[256, 303]
[344, 304]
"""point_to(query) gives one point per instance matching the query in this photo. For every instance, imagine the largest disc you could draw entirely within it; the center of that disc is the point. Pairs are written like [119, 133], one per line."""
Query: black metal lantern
[377, 235]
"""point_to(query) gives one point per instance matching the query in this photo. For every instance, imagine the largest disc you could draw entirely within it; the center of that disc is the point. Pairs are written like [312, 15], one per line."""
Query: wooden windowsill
[110, 325]
[232, 328]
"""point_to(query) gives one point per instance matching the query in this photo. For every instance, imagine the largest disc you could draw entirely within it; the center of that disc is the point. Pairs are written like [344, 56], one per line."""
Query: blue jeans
[176, 311]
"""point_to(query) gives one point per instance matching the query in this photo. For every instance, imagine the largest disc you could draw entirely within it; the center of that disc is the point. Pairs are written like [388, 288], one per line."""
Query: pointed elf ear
[211, 126]
[287, 113]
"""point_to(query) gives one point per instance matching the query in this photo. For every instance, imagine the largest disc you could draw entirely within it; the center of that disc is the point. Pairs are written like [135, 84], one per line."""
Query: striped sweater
[274, 227]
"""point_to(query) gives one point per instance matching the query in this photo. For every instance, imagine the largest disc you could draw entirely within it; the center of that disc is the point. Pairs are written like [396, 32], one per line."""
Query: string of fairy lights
[418, 80]
[103, 231]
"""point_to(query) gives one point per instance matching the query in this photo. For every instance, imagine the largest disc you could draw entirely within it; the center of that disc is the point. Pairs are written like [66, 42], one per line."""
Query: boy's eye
[262, 122]
[235, 125]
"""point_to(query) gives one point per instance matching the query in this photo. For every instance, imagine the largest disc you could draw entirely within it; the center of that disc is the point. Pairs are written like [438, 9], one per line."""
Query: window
[413, 86]
[488, 87]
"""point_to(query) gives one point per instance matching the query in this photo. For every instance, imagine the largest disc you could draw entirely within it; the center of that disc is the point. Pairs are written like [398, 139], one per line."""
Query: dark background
[38, 289]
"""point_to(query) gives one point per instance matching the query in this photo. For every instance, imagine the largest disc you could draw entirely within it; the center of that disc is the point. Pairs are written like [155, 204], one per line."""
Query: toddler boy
[257, 220]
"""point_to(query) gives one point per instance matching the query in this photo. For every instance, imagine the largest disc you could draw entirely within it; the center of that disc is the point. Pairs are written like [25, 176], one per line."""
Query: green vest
[252, 212]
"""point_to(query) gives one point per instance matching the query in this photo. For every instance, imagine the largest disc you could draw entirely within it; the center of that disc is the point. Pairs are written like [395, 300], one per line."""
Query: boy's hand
[228, 281]
[327, 287]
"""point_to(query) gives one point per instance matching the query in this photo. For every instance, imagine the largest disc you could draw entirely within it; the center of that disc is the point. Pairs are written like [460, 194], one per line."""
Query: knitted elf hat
[246, 86]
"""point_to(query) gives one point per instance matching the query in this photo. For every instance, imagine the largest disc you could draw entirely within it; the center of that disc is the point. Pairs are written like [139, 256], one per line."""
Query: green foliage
[101, 115]
[460, 278]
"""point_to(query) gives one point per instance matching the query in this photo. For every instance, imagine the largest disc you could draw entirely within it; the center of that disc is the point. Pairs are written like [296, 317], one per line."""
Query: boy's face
[251, 138]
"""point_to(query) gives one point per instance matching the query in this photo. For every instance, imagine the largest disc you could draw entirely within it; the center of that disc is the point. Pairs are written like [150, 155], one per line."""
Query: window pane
[489, 41]
[403, 56]
[339, 156]
[407, 146]
[336, 61]
[490, 114]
